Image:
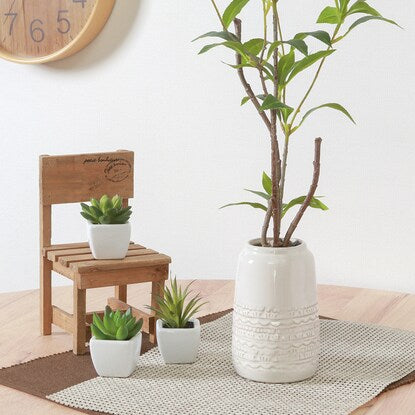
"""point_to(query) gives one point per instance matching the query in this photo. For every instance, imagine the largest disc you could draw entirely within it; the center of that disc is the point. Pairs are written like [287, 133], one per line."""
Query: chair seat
[76, 262]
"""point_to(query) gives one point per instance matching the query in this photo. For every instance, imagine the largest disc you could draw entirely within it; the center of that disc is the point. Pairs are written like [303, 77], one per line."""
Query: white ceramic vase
[115, 358]
[109, 241]
[276, 336]
[178, 345]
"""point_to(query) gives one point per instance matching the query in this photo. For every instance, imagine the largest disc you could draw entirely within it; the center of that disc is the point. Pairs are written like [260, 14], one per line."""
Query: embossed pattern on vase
[276, 335]
[275, 340]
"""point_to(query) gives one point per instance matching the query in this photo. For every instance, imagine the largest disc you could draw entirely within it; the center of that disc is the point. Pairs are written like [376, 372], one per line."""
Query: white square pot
[109, 241]
[178, 345]
[115, 358]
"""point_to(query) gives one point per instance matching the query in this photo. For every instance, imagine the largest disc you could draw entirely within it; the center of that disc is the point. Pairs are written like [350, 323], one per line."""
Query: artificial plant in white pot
[116, 343]
[108, 227]
[276, 326]
[178, 331]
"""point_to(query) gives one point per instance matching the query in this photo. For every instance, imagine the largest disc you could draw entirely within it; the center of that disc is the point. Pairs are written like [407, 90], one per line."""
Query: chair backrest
[79, 177]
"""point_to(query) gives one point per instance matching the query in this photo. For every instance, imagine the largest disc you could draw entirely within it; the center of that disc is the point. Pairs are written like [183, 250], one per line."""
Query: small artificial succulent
[106, 211]
[173, 308]
[115, 325]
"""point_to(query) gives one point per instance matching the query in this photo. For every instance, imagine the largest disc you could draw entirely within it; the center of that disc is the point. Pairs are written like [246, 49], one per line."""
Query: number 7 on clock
[80, 1]
[13, 18]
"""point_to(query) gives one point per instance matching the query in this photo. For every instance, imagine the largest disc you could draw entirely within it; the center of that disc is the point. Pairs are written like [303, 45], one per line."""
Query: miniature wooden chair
[74, 179]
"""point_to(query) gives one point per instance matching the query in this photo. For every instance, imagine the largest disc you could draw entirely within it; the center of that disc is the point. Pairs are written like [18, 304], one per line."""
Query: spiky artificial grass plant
[173, 308]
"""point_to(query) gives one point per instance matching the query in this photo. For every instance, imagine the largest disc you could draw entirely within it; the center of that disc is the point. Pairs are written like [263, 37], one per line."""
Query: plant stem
[311, 192]
[247, 87]
[265, 226]
[275, 153]
[284, 166]
[261, 57]
[282, 49]
[297, 111]
[219, 15]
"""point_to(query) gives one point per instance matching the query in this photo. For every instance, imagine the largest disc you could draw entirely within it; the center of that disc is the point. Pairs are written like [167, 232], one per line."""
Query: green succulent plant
[106, 211]
[173, 308]
[115, 325]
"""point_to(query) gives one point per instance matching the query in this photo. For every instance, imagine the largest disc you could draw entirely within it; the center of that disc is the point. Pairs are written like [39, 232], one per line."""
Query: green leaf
[308, 61]
[298, 44]
[237, 47]
[246, 99]
[266, 196]
[365, 19]
[318, 204]
[95, 211]
[315, 203]
[99, 334]
[318, 34]
[136, 329]
[330, 15]
[234, 8]
[223, 35]
[285, 66]
[96, 319]
[286, 112]
[116, 202]
[343, 5]
[207, 48]
[362, 7]
[88, 217]
[234, 45]
[334, 106]
[270, 102]
[252, 204]
[109, 324]
[254, 46]
[122, 333]
[267, 183]
[94, 202]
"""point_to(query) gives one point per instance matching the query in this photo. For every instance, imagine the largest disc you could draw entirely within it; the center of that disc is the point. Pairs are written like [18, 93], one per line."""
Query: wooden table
[20, 340]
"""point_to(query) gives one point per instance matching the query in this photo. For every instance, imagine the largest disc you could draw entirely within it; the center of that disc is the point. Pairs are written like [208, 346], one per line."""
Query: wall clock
[39, 31]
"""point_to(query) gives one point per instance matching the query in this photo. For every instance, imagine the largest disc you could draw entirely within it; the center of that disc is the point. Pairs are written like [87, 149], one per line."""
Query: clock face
[34, 29]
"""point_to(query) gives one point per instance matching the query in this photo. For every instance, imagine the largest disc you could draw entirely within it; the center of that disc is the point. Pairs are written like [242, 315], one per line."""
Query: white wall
[141, 86]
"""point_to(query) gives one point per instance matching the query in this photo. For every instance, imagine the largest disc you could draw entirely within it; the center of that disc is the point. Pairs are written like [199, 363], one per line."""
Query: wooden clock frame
[96, 21]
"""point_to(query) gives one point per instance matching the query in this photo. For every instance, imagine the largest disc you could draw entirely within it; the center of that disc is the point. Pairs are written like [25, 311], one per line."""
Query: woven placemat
[357, 362]
[44, 376]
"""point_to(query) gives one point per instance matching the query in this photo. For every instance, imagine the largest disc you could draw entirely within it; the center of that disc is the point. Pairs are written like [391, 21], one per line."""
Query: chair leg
[79, 320]
[156, 289]
[45, 296]
[121, 293]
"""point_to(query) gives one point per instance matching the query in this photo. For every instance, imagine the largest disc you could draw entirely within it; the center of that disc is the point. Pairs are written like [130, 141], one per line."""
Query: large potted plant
[116, 343]
[178, 331]
[108, 227]
[276, 326]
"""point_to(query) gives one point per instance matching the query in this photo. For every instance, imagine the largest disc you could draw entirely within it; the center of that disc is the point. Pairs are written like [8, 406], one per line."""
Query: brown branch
[311, 192]
[265, 226]
[245, 84]
[275, 151]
